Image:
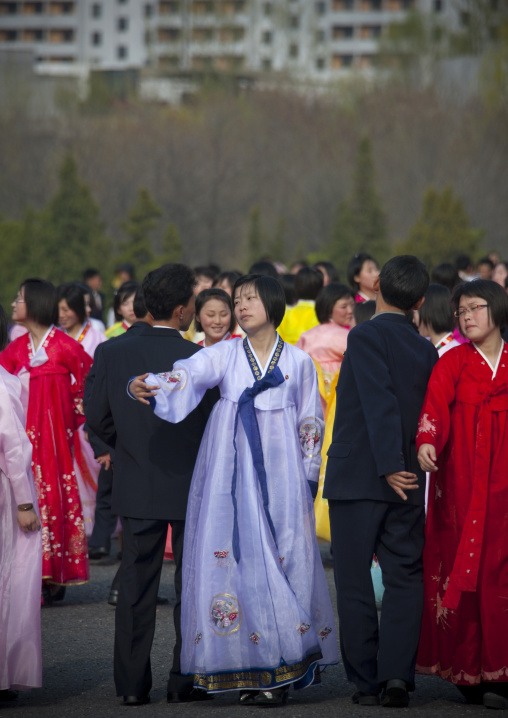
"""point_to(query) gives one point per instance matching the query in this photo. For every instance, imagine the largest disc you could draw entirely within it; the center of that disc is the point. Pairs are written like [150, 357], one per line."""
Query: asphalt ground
[77, 638]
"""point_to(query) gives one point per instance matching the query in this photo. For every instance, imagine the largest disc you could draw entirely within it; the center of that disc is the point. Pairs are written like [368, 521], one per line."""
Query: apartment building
[307, 39]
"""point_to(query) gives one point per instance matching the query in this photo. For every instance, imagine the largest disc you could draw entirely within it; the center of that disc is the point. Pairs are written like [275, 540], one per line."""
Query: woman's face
[500, 273]
[126, 309]
[67, 318]
[19, 307]
[215, 318]
[475, 321]
[88, 306]
[225, 286]
[367, 275]
[250, 311]
[342, 312]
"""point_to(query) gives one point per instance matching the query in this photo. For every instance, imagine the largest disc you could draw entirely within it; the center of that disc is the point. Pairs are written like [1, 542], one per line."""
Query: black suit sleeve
[98, 446]
[98, 410]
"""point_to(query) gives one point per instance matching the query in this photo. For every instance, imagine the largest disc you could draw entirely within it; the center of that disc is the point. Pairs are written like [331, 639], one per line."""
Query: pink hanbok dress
[20, 553]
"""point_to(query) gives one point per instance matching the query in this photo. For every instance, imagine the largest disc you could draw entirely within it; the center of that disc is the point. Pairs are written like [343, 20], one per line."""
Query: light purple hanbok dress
[256, 612]
[20, 553]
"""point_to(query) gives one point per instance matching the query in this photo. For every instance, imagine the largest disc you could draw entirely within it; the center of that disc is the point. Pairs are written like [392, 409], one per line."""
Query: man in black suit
[154, 461]
[376, 489]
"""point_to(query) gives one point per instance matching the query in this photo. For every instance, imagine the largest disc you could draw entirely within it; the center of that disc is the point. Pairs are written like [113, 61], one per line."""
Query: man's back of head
[166, 288]
[403, 281]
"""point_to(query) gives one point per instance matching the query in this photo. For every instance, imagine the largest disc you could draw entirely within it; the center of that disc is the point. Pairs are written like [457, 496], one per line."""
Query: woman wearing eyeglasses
[463, 440]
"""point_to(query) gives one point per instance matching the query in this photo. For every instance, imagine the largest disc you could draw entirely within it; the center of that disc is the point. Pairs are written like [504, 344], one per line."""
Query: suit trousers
[144, 541]
[375, 652]
[105, 521]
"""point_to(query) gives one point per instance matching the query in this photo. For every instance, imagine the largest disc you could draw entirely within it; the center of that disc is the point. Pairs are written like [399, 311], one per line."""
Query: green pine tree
[442, 231]
[277, 244]
[172, 247]
[255, 237]
[143, 219]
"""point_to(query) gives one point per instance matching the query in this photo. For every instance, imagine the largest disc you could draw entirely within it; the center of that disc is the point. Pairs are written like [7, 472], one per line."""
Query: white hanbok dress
[256, 612]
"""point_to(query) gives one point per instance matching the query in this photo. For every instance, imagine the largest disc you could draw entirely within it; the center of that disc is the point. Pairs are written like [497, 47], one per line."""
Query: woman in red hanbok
[463, 438]
[44, 360]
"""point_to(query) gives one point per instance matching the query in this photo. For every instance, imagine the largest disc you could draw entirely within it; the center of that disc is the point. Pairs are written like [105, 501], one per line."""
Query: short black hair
[139, 306]
[486, 260]
[166, 288]
[229, 277]
[3, 329]
[269, 291]
[74, 295]
[437, 311]
[403, 281]
[41, 301]
[208, 271]
[494, 296]
[447, 275]
[287, 282]
[462, 262]
[213, 293]
[364, 311]
[265, 268]
[330, 269]
[308, 283]
[90, 273]
[327, 297]
[354, 267]
[124, 291]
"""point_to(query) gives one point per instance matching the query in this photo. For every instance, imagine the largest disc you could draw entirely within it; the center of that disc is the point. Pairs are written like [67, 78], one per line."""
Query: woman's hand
[427, 457]
[28, 521]
[140, 390]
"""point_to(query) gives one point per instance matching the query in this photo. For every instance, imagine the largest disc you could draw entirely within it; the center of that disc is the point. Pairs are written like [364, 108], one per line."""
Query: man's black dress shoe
[365, 699]
[113, 598]
[135, 700]
[97, 552]
[193, 695]
[395, 694]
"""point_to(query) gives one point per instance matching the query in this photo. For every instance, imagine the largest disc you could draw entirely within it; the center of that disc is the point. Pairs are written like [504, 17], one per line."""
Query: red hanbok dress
[54, 413]
[464, 636]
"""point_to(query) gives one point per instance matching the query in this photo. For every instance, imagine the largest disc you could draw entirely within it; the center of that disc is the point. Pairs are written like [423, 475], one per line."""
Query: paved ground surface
[77, 658]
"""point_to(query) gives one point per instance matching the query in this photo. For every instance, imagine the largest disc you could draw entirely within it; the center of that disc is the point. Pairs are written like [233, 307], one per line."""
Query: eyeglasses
[469, 310]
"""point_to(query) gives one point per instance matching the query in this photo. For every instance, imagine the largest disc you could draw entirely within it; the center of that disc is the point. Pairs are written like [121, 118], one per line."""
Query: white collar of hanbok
[39, 357]
[494, 368]
[264, 369]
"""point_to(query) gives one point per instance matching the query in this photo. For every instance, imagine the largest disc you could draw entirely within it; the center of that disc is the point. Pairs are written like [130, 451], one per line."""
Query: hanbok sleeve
[310, 420]
[15, 446]
[184, 387]
[434, 424]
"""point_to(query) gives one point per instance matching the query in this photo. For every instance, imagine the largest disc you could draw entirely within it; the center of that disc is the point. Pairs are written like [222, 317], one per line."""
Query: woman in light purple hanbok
[256, 612]
[20, 548]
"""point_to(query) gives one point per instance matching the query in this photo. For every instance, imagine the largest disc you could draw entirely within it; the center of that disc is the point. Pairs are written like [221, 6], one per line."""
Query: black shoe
[135, 700]
[59, 594]
[113, 600]
[275, 697]
[161, 601]
[247, 698]
[8, 696]
[97, 552]
[395, 694]
[494, 700]
[188, 697]
[365, 699]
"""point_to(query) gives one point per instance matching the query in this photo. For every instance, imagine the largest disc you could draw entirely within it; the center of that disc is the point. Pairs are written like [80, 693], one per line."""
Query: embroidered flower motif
[254, 637]
[224, 613]
[303, 628]
[221, 554]
[309, 437]
[325, 632]
[198, 637]
[174, 380]
[426, 426]
[222, 558]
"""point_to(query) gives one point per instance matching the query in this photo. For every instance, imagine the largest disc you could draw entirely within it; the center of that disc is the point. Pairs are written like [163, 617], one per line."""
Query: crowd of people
[228, 420]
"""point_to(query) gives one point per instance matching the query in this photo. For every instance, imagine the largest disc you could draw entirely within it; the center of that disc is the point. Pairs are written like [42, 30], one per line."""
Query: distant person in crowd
[296, 266]
[329, 272]
[465, 268]
[500, 273]
[20, 545]
[214, 316]
[226, 280]
[495, 257]
[362, 273]
[264, 268]
[287, 282]
[301, 317]
[436, 320]
[261, 608]
[52, 369]
[484, 268]
[92, 278]
[327, 342]
[447, 275]
[463, 441]
[205, 277]
[123, 307]
[364, 311]
[96, 323]
[376, 490]
[154, 461]
[123, 273]
[73, 320]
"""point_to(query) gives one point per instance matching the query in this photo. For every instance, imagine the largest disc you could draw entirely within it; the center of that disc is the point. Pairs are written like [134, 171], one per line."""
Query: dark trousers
[375, 653]
[142, 555]
[105, 521]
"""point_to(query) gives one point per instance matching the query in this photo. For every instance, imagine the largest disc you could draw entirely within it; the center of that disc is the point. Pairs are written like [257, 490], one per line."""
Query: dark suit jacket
[154, 459]
[380, 392]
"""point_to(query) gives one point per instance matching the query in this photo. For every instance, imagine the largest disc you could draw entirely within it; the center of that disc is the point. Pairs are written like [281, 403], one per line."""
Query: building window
[169, 7]
[320, 63]
[96, 10]
[294, 22]
[267, 37]
[8, 35]
[438, 5]
[341, 32]
[320, 36]
[30, 8]
[169, 34]
[340, 5]
[148, 11]
[96, 38]
[347, 60]
[8, 8]
[122, 52]
[320, 7]
[266, 64]
[267, 8]
[122, 2]
[294, 51]
[122, 24]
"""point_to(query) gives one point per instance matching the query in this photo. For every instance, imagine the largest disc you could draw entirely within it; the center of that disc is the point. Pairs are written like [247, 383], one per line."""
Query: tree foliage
[442, 231]
[143, 219]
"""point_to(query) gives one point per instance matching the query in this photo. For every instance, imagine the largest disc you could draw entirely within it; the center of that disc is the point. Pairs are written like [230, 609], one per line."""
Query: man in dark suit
[376, 489]
[154, 461]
